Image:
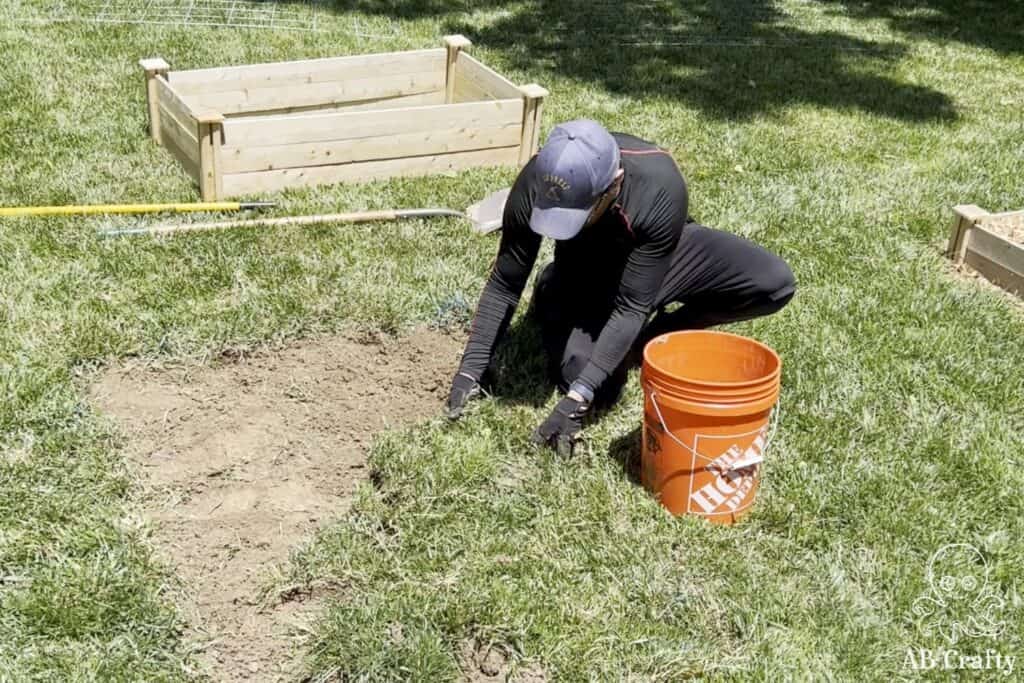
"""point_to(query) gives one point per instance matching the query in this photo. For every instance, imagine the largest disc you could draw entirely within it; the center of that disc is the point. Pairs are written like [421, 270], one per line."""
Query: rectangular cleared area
[261, 128]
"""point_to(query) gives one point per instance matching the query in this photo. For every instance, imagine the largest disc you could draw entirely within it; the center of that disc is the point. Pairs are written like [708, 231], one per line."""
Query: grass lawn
[836, 133]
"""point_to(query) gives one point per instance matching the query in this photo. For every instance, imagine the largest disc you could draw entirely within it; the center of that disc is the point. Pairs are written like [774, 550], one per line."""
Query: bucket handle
[741, 464]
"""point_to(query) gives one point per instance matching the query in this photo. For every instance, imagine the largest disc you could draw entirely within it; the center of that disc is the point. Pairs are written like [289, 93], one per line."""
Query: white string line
[755, 43]
[251, 15]
[212, 13]
[227, 13]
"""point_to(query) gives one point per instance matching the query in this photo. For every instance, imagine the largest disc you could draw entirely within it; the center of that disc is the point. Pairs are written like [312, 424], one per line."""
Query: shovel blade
[486, 214]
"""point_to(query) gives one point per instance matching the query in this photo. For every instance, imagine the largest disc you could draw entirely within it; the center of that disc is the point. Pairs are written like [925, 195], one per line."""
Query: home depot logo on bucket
[733, 476]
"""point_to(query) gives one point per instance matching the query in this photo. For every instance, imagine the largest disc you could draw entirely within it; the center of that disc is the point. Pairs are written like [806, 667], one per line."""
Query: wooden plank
[534, 96]
[993, 272]
[154, 65]
[210, 172]
[422, 99]
[271, 181]
[534, 139]
[353, 67]
[189, 127]
[284, 130]
[218, 164]
[153, 68]
[487, 79]
[190, 166]
[997, 249]
[331, 152]
[453, 45]
[964, 217]
[172, 102]
[467, 91]
[313, 94]
[217, 140]
[171, 128]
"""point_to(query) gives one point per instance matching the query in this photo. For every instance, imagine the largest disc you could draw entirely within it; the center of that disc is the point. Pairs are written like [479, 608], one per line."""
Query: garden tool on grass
[485, 216]
[90, 209]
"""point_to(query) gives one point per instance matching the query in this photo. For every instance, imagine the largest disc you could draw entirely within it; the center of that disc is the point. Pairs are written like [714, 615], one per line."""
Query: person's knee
[775, 285]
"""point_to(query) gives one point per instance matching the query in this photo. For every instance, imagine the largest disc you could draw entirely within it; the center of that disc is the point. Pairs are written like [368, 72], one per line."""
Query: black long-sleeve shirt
[630, 248]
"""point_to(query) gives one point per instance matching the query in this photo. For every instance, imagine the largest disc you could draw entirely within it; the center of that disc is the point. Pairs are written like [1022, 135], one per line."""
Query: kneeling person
[617, 207]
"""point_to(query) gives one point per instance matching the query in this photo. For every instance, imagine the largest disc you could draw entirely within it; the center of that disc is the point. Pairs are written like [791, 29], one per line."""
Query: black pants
[717, 276]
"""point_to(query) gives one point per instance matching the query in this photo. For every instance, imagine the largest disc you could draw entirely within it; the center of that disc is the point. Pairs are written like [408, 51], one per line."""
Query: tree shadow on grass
[996, 26]
[729, 64]
[730, 60]
[518, 371]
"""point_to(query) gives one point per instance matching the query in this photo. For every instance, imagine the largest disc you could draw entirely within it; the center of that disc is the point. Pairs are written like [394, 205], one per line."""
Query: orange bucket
[709, 399]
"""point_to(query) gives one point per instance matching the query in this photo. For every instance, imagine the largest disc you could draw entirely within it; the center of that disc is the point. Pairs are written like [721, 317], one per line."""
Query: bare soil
[482, 663]
[240, 462]
[1010, 227]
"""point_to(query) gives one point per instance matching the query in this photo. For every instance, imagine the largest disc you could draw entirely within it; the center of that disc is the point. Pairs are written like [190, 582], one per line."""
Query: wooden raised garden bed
[244, 130]
[990, 243]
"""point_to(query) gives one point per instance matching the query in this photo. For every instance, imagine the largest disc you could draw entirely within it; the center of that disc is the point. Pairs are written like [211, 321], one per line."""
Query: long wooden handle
[357, 217]
[90, 209]
[354, 217]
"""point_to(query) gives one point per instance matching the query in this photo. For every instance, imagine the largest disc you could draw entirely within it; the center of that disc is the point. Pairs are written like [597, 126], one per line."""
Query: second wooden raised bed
[990, 243]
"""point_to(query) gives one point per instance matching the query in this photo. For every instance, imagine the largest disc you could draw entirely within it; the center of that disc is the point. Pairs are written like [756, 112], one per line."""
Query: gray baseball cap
[576, 164]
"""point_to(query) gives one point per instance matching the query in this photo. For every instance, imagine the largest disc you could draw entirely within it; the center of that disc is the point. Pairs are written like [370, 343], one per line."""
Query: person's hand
[562, 428]
[464, 389]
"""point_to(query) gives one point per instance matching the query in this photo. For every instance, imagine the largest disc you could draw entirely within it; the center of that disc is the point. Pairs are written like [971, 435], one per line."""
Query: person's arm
[511, 270]
[641, 280]
[645, 270]
[509, 273]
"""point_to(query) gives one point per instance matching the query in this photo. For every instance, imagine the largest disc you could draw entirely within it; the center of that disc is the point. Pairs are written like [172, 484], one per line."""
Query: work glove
[464, 389]
[562, 428]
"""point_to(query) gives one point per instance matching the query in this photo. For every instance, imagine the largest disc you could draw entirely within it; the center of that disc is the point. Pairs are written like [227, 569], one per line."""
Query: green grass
[837, 134]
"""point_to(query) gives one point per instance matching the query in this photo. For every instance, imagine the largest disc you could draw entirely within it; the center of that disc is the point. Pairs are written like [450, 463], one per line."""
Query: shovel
[485, 216]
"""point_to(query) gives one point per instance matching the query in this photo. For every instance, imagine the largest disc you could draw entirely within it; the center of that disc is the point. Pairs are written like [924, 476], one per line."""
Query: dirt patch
[240, 463]
[491, 663]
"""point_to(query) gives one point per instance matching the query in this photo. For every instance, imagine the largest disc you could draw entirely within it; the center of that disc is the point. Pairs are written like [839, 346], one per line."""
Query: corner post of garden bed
[211, 170]
[155, 67]
[965, 217]
[533, 105]
[455, 44]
